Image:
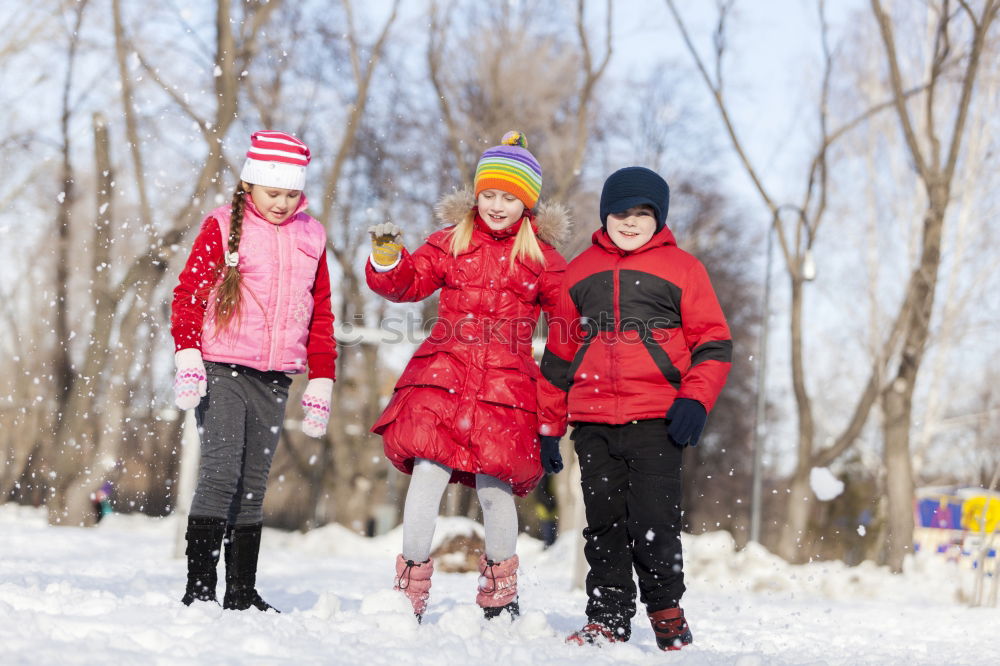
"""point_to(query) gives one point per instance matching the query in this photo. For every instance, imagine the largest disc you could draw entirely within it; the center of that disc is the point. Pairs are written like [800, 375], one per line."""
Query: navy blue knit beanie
[635, 186]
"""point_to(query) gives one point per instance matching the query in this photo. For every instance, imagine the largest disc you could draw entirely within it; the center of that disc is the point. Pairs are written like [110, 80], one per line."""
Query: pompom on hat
[511, 168]
[276, 159]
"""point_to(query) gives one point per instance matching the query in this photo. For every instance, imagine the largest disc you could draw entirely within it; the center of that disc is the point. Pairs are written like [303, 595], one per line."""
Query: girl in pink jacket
[252, 306]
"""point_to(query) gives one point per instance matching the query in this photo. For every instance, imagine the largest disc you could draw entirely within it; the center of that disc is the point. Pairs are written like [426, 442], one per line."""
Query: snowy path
[109, 595]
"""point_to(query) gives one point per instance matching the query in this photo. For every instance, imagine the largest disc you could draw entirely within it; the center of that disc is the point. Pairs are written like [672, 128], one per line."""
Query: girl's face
[499, 209]
[274, 203]
[631, 229]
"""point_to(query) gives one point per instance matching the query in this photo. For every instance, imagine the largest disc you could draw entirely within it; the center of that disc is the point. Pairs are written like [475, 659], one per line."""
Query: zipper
[616, 315]
[271, 361]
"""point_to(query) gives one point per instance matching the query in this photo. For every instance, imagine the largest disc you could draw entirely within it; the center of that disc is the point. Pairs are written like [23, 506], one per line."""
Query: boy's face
[631, 229]
[274, 203]
[499, 209]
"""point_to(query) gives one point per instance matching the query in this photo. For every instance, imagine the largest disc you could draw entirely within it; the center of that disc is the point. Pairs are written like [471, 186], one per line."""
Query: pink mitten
[316, 406]
[190, 381]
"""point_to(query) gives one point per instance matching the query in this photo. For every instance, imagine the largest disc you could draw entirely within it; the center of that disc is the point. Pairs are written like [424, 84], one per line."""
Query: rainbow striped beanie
[511, 168]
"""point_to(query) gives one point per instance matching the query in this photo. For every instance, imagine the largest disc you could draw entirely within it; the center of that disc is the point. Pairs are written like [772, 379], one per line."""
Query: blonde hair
[525, 242]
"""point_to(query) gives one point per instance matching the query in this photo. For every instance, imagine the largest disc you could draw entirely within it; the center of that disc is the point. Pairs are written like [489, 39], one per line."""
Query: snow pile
[110, 594]
[712, 562]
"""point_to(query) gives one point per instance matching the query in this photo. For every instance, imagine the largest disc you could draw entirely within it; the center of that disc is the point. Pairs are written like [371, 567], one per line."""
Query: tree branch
[357, 108]
[590, 78]
[435, 51]
[721, 106]
[982, 28]
[128, 112]
[896, 80]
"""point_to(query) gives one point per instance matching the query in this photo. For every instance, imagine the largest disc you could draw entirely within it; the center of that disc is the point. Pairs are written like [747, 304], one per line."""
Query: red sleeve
[321, 348]
[551, 394]
[707, 336]
[414, 278]
[187, 311]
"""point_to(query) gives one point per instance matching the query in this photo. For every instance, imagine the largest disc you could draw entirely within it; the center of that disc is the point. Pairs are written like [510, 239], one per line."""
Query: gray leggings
[423, 500]
[239, 422]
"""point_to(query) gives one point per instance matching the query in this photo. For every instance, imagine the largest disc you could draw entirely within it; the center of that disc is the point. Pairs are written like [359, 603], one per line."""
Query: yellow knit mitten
[385, 243]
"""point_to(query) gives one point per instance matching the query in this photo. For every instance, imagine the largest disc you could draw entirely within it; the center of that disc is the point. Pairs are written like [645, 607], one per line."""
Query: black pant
[631, 477]
[239, 422]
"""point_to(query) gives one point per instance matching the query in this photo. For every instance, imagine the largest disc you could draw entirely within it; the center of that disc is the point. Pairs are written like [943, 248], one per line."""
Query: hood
[552, 220]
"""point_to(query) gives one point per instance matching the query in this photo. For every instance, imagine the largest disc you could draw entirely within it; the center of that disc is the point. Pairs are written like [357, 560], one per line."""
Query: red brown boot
[597, 634]
[671, 629]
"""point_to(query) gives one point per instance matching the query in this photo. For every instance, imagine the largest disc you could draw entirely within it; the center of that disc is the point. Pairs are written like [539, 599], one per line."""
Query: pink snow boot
[498, 587]
[414, 580]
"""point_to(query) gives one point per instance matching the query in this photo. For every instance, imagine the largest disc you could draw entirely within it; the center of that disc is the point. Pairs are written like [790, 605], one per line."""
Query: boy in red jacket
[640, 350]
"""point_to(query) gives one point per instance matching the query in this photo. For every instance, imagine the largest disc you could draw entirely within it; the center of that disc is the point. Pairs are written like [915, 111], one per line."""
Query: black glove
[685, 421]
[551, 458]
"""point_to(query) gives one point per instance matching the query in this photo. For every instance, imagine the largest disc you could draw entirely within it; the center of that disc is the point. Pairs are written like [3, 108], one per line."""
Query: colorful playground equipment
[957, 522]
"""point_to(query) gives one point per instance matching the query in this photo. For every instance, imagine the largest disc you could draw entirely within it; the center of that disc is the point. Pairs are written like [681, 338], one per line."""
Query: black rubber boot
[242, 548]
[513, 610]
[204, 541]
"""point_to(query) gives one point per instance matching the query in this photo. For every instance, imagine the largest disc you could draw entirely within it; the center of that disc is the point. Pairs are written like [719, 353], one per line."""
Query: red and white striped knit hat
[276, 159]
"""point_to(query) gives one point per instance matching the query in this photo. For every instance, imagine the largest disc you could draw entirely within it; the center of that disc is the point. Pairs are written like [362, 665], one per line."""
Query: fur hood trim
[551, 219]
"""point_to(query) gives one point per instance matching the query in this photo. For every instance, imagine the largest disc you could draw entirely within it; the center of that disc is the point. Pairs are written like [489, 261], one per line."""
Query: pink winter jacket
[279, 266]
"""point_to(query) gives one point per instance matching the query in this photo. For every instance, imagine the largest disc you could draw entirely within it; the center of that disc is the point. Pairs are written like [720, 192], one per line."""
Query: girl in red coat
[465, 409]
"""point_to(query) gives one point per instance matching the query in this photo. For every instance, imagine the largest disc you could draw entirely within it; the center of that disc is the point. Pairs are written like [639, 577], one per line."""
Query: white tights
[423, 500]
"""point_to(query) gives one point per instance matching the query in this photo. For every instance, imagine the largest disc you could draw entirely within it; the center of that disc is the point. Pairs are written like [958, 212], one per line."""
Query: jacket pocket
[433, 366]
[310, 250]
[510, 387]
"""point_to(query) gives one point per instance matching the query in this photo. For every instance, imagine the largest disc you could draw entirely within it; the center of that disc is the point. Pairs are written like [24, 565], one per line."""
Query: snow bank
[74, 596]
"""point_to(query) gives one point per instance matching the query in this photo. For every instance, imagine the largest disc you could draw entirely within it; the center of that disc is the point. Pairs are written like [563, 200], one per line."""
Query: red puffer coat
[633, 332]
[467, 399]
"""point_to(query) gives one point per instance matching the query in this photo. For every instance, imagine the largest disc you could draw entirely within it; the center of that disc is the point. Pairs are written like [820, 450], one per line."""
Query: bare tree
[935, 160]
[905, 337]
[497, 85]
[796, 226]
[72, 438]
[73, 458]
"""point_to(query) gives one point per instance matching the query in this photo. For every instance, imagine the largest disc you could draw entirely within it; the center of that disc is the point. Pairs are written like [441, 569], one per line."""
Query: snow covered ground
[110, 595]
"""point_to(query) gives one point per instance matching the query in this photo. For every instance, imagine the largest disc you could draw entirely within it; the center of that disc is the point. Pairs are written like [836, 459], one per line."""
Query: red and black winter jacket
[632, 332]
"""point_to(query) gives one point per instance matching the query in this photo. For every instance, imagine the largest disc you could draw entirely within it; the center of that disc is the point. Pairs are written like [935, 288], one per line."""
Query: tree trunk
[798, 506]
[898, 397]
[78, 431]
[797, 511]
[899, 476]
